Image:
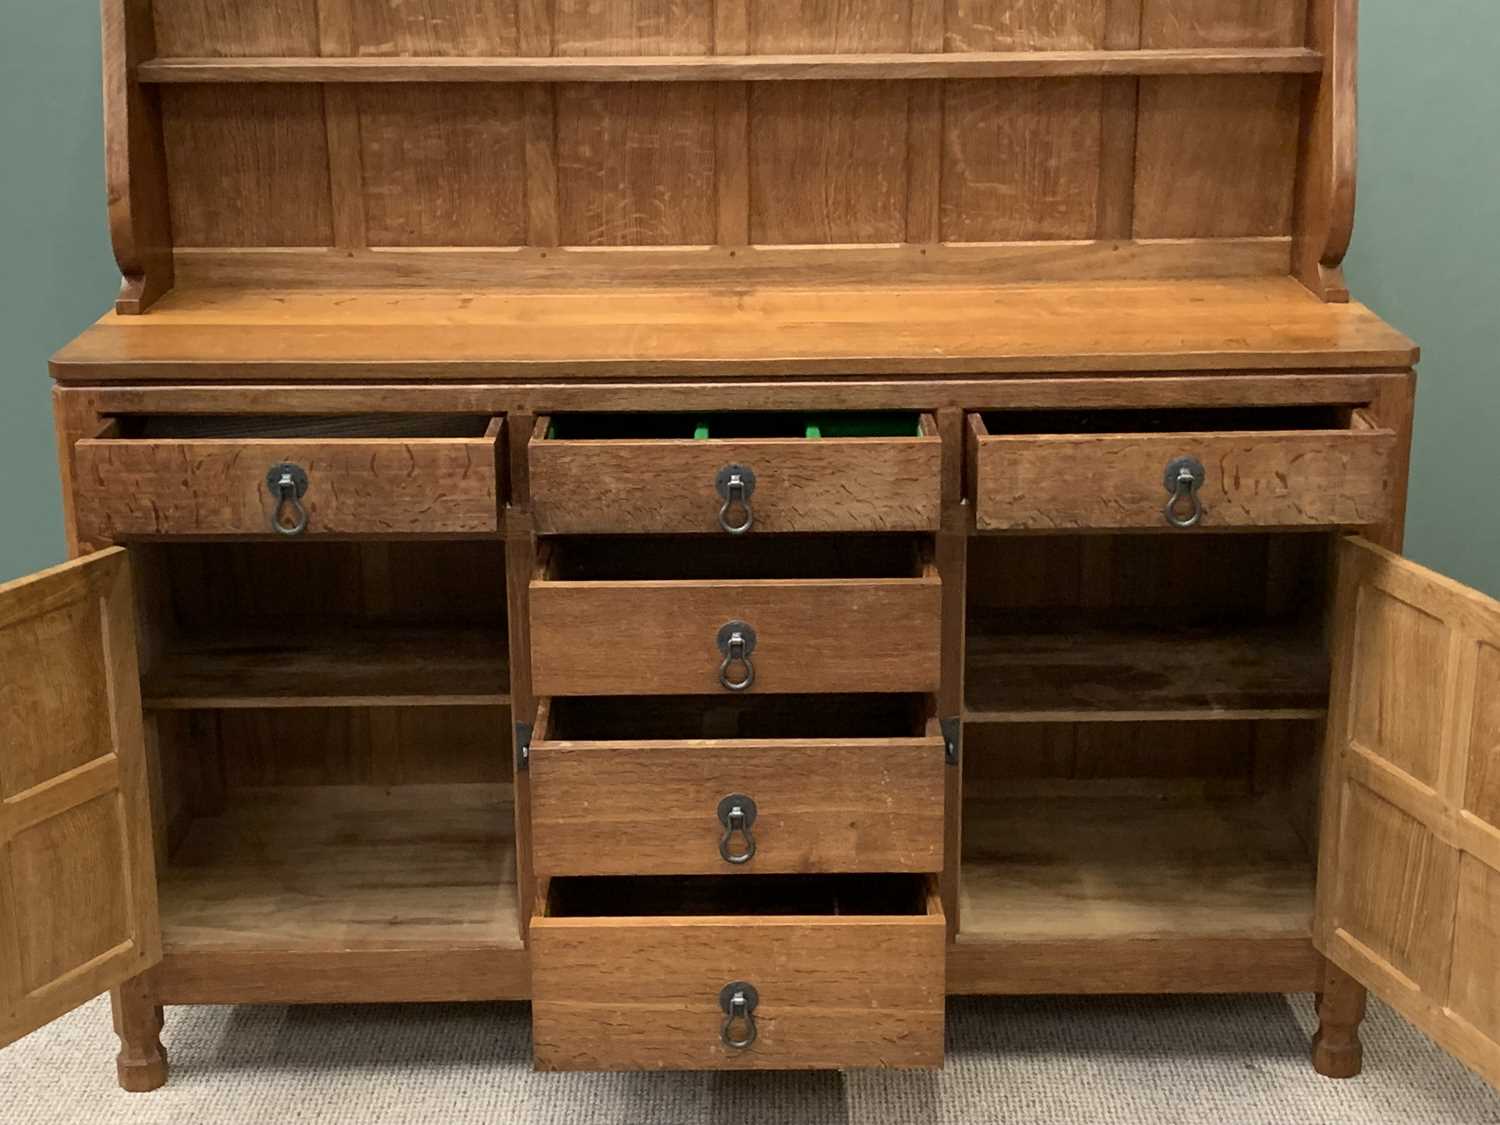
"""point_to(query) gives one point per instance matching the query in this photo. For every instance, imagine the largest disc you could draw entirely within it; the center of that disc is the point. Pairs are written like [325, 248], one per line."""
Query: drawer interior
[661, 718]
[731, 426]
[749, 896]
[1000, 423]
[630, 558]
[314, 426]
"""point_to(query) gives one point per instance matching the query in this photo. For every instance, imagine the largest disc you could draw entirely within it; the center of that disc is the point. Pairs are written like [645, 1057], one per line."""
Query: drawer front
[830, 992]
[1294, 478]
[143, 487]
[664, 808]
[663, 638]
[827, 484]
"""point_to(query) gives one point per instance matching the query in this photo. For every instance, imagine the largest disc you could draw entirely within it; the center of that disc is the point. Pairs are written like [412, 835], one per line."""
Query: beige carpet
[1154, 1061]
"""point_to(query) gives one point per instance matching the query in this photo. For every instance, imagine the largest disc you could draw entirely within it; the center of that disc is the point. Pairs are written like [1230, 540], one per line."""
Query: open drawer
[760, 972]
[734, 473]
[748, 784]
[286, 476]
[660, 616]
[1208, 468]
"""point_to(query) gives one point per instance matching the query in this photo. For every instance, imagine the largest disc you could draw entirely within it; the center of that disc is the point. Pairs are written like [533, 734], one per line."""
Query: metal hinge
[952, 733]
[523, 745]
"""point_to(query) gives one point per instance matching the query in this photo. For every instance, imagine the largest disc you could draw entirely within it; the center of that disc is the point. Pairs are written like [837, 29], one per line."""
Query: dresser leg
[1337, 1051]
[142, 1062]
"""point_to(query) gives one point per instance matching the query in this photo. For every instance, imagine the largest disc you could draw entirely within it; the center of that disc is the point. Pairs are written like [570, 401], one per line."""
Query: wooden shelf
[423, 868]
[350, 667]
[741, 68]
[305, 333]
[1143, 675]
[1079, 894]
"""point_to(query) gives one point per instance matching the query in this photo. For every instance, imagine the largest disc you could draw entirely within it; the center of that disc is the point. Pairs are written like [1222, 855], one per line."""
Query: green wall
[1425, 254]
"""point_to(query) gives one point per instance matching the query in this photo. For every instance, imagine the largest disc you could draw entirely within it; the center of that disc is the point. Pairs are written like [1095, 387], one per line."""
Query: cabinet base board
[337, 976]
[1153, 965]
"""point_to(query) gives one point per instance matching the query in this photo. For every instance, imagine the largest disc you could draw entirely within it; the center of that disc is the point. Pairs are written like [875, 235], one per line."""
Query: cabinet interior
[1142, 738]
[331, 727]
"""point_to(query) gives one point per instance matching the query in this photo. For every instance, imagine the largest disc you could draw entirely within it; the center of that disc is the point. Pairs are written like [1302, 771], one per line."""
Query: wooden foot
[1337, 1051]
[142, 1062]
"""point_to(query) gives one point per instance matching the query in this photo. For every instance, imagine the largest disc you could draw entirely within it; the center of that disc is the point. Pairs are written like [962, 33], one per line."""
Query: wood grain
[1110, 870]
[1216, 157]
[415, 869]
[658, 637]
[1407, 886]
[827, 484]
[1162, 675]
[78, 896]
[140, 223]
[1021, 160]
[441, 28]
[1253, 479]
[376, 486]
[342, 667]
[635, 165]
[1328, 155]
[611, 993]
[604, 66]
[247, 167]
[476, 136]
[1236, 325]
[823, 805]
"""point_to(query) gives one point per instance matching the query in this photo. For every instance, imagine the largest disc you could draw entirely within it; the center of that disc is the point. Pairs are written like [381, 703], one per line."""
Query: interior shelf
[1143, 674]
[742, 68]
[335, 667]
[352, 868]
[1072, 869]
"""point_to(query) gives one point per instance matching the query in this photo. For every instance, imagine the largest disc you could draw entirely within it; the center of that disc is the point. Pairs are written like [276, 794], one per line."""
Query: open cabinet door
[78, 908]
[1409, 858]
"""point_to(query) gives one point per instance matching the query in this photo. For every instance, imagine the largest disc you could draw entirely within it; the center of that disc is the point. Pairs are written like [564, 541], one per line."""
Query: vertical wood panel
[247, 165]
[829, 26]
[1122, 31]
[1223, 23]
[444, 165]
[1025, 25]
[636, 164]
[1021, 159]
[1024, 159]
[1217, 157]
[341, 122]
[233, 28]
[535, 31]
[435, 27]
[634, 27]
[828, 160]
[924, 177]
[732, 127]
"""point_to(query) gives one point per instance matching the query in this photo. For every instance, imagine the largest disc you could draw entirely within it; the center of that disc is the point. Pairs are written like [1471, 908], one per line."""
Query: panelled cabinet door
[78, 911]
[1409, 864]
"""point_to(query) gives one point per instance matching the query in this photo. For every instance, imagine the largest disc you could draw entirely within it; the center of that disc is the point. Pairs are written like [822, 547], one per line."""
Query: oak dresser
[735, 520]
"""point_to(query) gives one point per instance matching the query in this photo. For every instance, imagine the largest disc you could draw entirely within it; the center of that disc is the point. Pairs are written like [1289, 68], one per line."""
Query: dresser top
[1202, 325]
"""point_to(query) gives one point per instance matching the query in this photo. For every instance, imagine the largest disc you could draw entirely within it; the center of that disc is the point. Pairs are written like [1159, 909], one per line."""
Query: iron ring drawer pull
[288, 484]
[737, 813]
[738, 1000]
[1183, 479]
[736, 642]
[735, 484]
